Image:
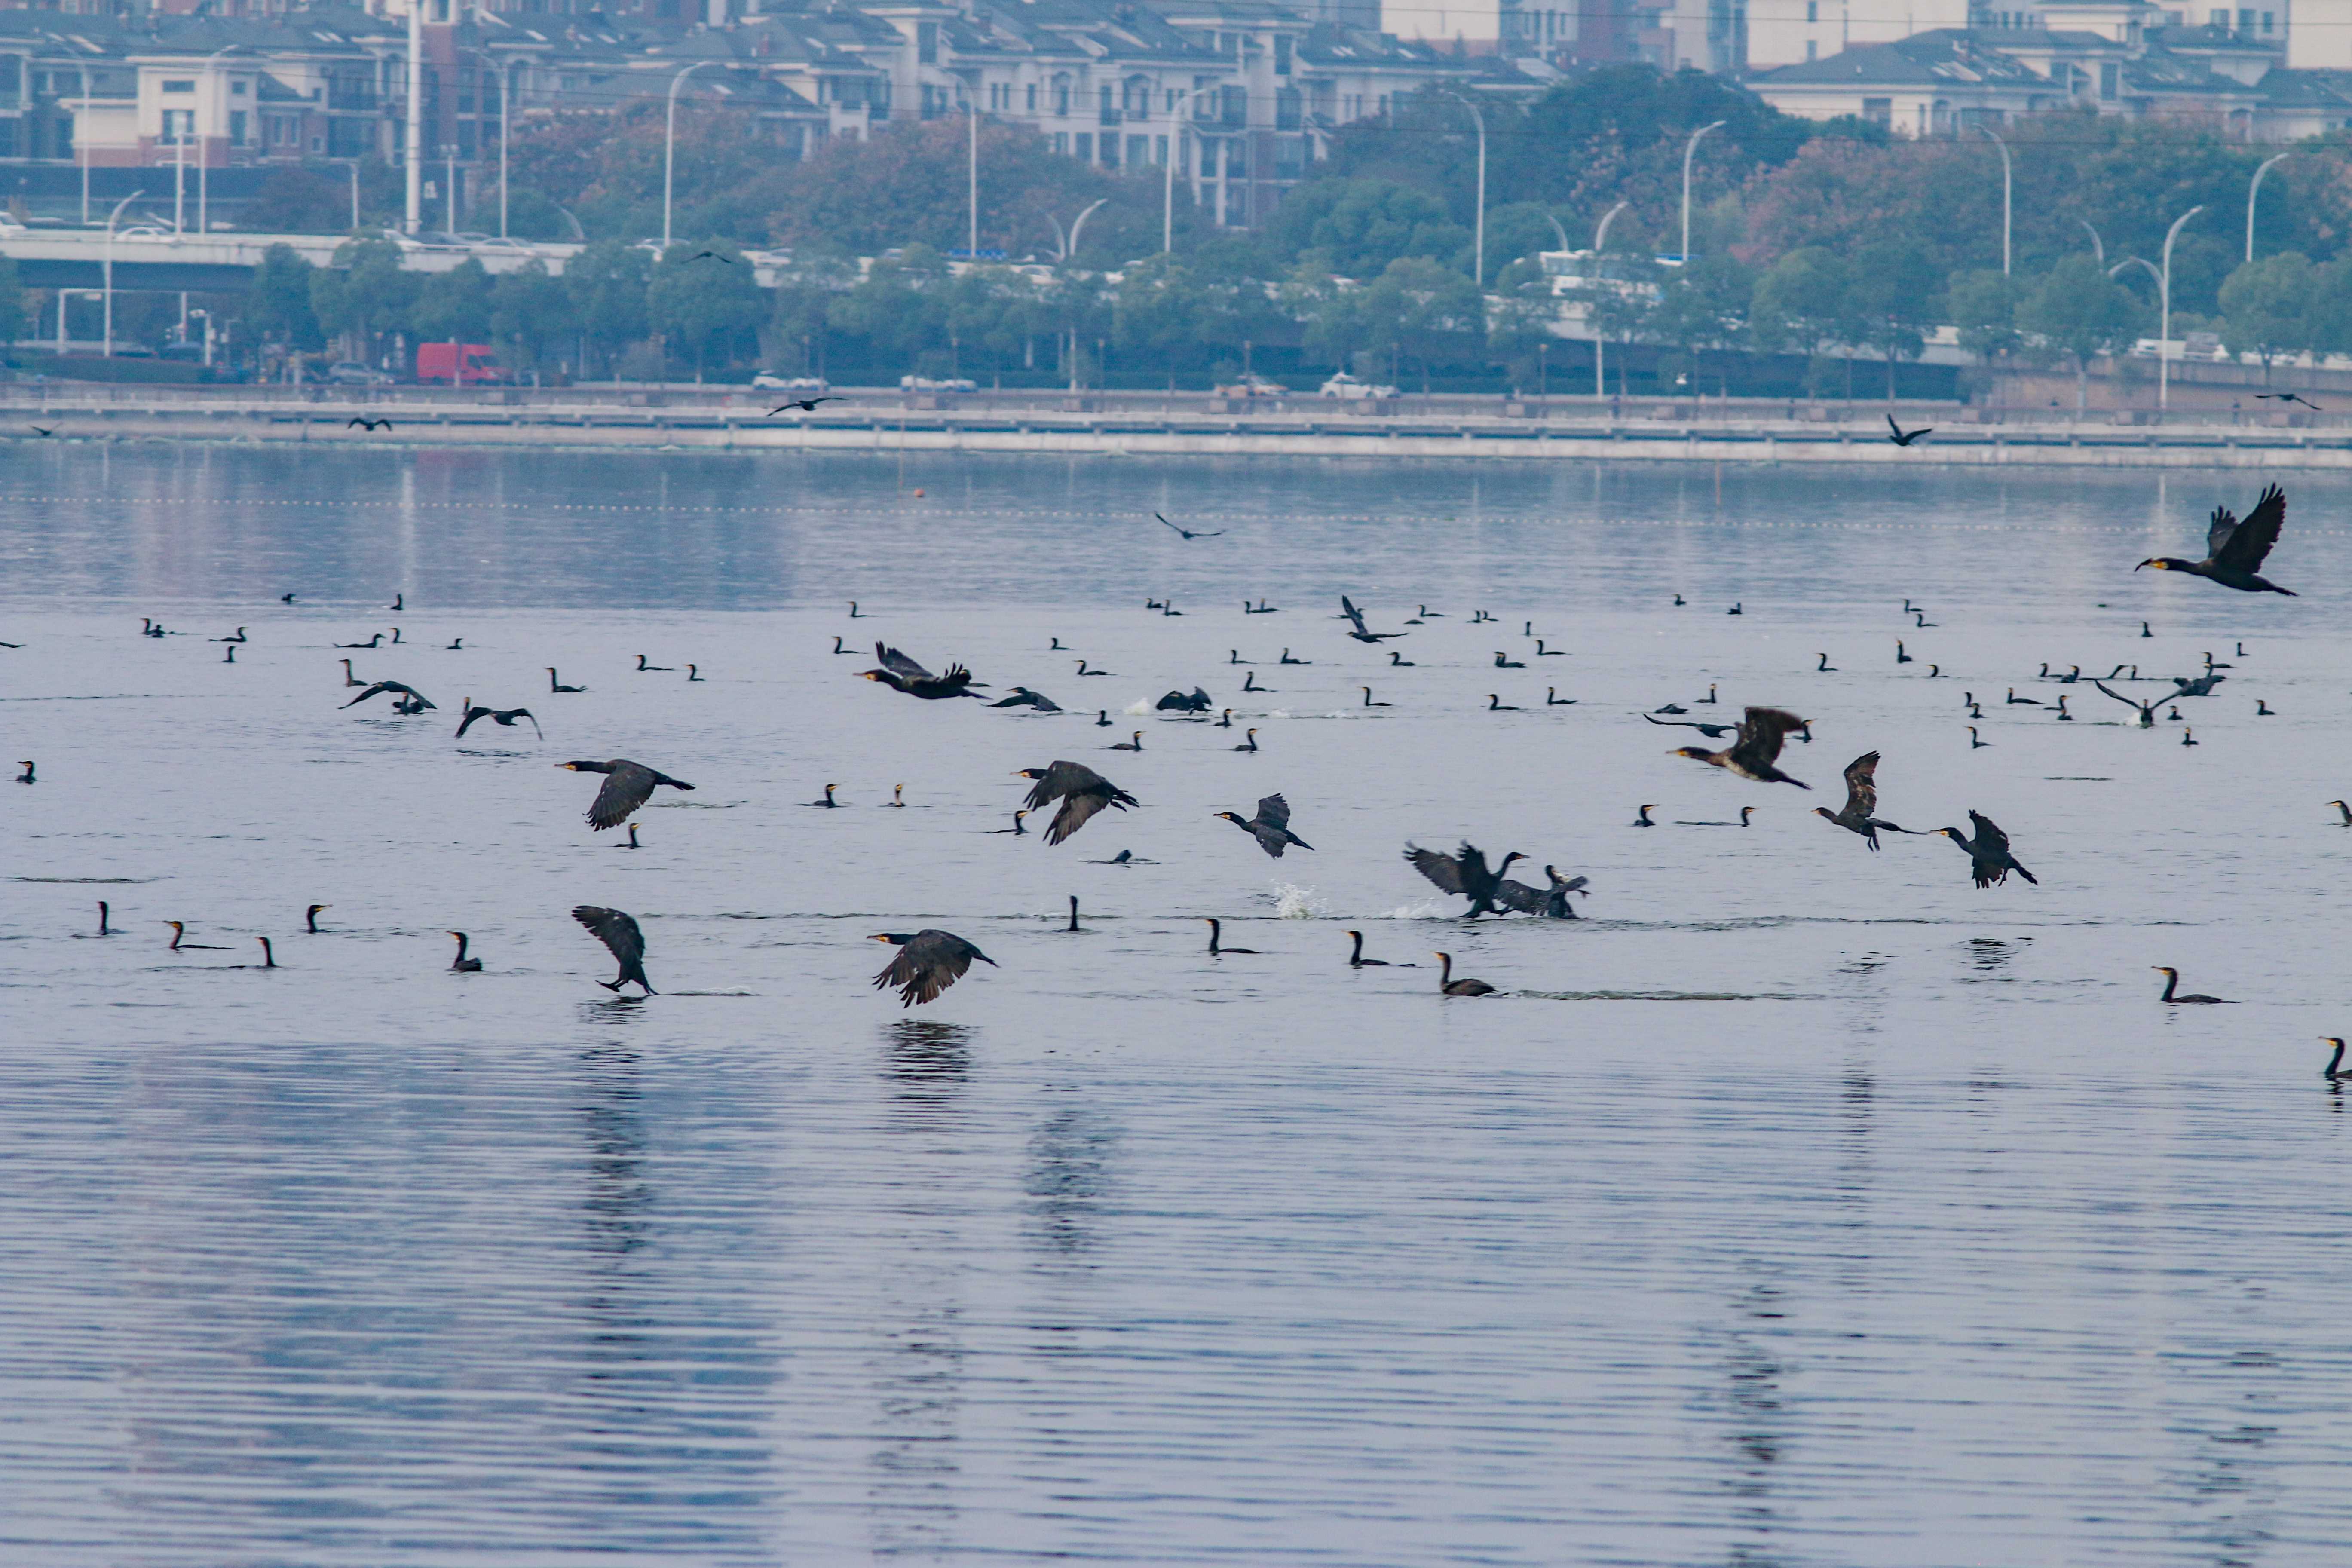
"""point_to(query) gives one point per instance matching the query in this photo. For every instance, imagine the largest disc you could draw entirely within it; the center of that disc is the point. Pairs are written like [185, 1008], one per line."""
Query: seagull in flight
[1189, 533]
[1902, 437]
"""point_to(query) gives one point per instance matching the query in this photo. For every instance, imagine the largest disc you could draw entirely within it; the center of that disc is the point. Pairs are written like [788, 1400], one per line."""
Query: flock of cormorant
[927, 962]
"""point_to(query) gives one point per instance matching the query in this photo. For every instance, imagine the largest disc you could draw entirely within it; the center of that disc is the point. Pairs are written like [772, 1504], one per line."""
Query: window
[1879, 110]
[1813, 10]
[2218, 18]
[2267, 17]
[2109, 76]
[1061, 143]
[179, 87]
[1283, 43]
[2245, 21]
[927, 42]
[1033, 98]
[236, 87]
[1812, 49]
[178, 123]
[237, 127]
[1085, 147]
[1138, 150]
[1290, 158]
[1159, 150]
[1286, 109]
[1110, 151]
[1061, 95]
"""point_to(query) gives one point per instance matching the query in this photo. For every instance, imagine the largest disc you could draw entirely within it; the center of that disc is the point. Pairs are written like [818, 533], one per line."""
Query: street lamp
[355, 192]
[2254, 190]
[1601, 238]
[1691, 148]
[81, 153]
[506, 105]
[972, 174]
[109, 350]
[2163, 329]
[1168, 171]
[204, 155]
[1478, 268]
[449, 196]
[2005, 190]
[669, 145]
[2098, 246]
[1067, 244]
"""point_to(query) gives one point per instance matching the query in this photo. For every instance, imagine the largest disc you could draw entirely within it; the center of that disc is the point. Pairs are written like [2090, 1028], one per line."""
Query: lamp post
[1478, 265]
[449, 196]
[1069, 242]
[355, 192]
[669, 146]
[2254, 190]
[2006, 188]
[110, 218]
[2098, 246]
[179, 168]
[971, 175]
[506, 117]
[2163, 329]
[1168, 171]
[81, 152]
[1688, 151]
[204, 152]
[1599, 239]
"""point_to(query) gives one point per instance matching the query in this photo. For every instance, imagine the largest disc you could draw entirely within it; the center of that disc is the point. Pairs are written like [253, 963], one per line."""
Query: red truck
[460, 364]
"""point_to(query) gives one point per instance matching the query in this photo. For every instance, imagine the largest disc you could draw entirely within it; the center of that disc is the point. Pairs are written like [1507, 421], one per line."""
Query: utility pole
[414, 217]
[2164, 331]
[2005, 190]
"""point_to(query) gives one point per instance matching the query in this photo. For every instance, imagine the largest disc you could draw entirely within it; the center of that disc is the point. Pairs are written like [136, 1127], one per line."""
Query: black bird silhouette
[1551, 902]
[903, 674]
[1249, 739]
[1712, 732]
[1902, 438]
[414, 701]
[1465, 986]
[1861, 801]
[827, 802]
[628, 785]
[1216, 938]
[927, 962]
[1016, 829]
[1193, 533]
[1988, 856]
[179, 943]
[1752, 755]
[462, 965]
[555, 685]
[1023, 697]
[501, 716]
[644, 669]
[2288, 397]
[367, 423]
[37, 430]
[2172, 982]
[1082, 792]
[1177, 702]
[371, 642]
[1502, 663]
[805, 405]
[622, 938]
[2234, 551]
[1465, 873]
[1270, 828]
[1348, 608]
[710, 256]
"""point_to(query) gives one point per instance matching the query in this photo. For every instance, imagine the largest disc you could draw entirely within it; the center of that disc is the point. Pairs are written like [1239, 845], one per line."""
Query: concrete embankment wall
[1556, 438]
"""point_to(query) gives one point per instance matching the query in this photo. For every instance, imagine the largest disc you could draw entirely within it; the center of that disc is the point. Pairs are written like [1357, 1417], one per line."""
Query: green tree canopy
[2272, 308]
[278, 302]
[2080, 311]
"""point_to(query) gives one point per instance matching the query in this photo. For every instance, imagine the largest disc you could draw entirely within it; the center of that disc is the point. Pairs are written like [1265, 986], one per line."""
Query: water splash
[1293, 902]
[1138, 709]
[1428, 910]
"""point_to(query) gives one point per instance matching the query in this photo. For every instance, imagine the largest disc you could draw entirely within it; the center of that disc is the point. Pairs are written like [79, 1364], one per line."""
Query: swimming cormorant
[2333, 1072]
[2346, 810]
[399, 601]
[630, 829]
[1270, 828]
[555, 685]
[1131, 745]
[1286, 658]
[239, 637]
[1465, 873]
[371, 642]
[311, 918]
[2062, 714]
[838, 648]
[1641, 817]
[1016, 829]
[1233, 654]
[1084, 670]
[622, 938]
[179, 943]
[1072, 927]
[2262, 709]
[693, 673]
[1550, 652]
[504, 717]
[1552, 699]
[1249, 741]
[897, 801]
[27, 777]
[1752, 755]
[1825, 667]
[1495, 704]
[1551, 902]
[1465, 986]
[103, 929]
[1861, 801]
[1397, 662]
[2014, 700]
[1744, 813]
[1082, 792]
[2234, 551]
[1368, 699]
[1502, 663]
[462, 965]
[1217, 951]
[1102, 718]
[2171, 980]
[903, 674]
[628, 785]
[1975, 744]
[1900, 657]
[828, 802]
[1988, 857]
[2188, 737]
[1249, 682]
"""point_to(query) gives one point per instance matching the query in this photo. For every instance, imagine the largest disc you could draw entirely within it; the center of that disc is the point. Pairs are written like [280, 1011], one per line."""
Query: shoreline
[1668, 435]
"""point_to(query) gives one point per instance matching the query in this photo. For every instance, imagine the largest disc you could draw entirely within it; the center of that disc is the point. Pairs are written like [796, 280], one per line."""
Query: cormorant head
[1826, 811]
[1745, 812]
[2164, 969]
[1506, 863]
[1028, 773]
[872, 675]
[895, 937]
[1231, 817]
[1698, 751]
[2164, 563]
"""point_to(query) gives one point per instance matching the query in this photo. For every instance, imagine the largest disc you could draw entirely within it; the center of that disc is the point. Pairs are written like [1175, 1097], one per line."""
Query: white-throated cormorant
[628, 785]
[2234, 551]
[1753, 754]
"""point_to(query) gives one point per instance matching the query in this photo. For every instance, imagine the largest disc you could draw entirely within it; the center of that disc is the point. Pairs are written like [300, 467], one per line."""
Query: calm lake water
[1799, 1205]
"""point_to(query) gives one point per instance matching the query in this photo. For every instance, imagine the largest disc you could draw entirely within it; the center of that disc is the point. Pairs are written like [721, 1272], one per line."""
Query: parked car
[1347, 387]
[351, 372]
[1253, 386]
[925, 384]
[768, 380]
[146, 233]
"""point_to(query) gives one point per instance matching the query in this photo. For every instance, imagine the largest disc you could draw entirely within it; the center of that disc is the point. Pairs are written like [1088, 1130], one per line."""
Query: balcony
[361, 99]
[1109, 116]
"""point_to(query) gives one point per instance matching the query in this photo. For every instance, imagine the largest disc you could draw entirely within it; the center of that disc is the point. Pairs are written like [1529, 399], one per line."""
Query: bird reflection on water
[1066, 1177]
[926, 1063]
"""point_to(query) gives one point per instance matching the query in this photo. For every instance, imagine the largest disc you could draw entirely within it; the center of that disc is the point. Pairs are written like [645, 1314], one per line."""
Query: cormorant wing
[2114, 693]
[1991, 843]
[626, 787]
[1862, 787]
[467, 721]
[511, 714]
[2243, 545]
[1078, 808]
[618, 932]
[1761, 731]
[1348, 608]
[900, 665]
[1453, 874]
[401, 687]
[1274, 811]
[1521, 898]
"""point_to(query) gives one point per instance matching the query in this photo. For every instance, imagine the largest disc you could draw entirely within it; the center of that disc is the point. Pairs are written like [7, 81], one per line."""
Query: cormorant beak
[877, 938]
[567, 767]
[2157, 564]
